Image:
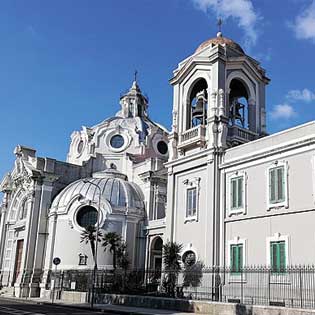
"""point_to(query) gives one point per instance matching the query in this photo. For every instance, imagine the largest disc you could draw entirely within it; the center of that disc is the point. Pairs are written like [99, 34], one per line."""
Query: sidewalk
[116, 309]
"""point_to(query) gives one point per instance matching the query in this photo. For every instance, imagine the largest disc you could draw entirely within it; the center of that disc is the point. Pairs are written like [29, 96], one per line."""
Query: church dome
[114, 186]
[220, 40]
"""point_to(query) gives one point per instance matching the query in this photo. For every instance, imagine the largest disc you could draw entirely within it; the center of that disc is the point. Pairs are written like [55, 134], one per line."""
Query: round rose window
[117, 141]
[86, 216]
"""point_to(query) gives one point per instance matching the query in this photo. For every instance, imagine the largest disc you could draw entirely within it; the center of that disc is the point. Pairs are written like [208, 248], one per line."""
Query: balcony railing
[193, 136]
[241, 135]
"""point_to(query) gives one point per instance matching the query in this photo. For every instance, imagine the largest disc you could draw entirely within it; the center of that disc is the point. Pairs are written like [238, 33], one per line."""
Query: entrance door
[18, 258]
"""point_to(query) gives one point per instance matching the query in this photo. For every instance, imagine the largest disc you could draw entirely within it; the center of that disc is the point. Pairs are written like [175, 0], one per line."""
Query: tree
[113, 241]
[172, 265]
[89, 236]
[122, 256]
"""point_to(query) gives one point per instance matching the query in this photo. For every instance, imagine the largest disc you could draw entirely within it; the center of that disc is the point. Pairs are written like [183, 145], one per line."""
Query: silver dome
[114, 186]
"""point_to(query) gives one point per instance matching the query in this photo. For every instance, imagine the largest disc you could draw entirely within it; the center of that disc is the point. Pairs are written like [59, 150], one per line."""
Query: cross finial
[136, 74]
[219, 24]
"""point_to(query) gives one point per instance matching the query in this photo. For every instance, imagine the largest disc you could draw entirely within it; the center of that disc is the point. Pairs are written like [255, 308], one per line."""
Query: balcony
[192, 137]
[238, 135]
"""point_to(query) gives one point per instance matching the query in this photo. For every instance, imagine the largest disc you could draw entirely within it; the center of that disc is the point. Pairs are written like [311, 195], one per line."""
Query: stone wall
[197, 307]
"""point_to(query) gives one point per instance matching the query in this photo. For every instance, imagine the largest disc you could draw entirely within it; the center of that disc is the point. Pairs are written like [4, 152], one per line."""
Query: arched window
[197, 104]
[23, 209]
[238, 104]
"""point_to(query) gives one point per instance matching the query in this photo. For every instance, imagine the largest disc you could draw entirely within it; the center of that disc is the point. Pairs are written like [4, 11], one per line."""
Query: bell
[198, 111]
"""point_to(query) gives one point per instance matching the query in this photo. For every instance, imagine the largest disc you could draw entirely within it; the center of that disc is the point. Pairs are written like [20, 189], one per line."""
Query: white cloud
[240, 10]
[301, 95]
[304, 24]
[284, 111]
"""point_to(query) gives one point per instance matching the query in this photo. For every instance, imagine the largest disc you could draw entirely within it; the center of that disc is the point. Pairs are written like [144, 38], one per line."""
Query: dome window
[117, 141]
[162, 147]
[87, 216]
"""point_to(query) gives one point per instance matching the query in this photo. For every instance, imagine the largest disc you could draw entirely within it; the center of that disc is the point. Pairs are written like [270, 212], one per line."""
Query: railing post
[269, 274]
[242, 286]
[301, 284]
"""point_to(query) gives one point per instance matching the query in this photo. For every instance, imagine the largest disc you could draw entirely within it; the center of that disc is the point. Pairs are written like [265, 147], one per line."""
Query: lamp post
[96, 239]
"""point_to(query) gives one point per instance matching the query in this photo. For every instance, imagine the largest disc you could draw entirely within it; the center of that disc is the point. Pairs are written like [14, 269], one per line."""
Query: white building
[235, 196]
[47, 203]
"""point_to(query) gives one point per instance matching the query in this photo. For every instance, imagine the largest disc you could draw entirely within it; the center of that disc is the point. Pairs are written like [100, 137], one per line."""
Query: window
[23, 211]
[162, 147]
[8, 249]
[277, 185]
[278, 256]
[82, 260]
[189, 258]
[237, 187]
[117, 141]
[86, 216]
[191, 203]
[236, 193]
[80, 146]
[236, 258]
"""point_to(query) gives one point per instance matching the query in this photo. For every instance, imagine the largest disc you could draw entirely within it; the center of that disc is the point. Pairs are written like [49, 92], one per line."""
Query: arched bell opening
[156, 254]
[198, 104]
[238, 104]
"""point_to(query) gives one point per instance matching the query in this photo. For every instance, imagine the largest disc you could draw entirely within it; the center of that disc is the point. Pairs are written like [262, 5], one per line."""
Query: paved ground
[11, 307]
[37, 306]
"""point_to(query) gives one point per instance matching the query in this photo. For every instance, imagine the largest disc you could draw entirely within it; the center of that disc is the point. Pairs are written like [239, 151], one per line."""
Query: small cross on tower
[136, 74]
[219, 24]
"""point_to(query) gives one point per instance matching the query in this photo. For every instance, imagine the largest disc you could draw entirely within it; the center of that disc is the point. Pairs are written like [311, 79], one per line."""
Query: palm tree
[113, 240]
[172, 265]
[89, 236]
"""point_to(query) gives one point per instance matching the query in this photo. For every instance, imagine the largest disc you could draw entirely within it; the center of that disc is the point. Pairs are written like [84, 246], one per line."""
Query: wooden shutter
[273, 256]
[240, 257]
[280, 183]
[282, 258]
[240, 192]
[272, 186]
[234, 194]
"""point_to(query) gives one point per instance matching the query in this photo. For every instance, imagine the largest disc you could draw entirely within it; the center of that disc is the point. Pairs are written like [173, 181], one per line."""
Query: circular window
[117, 141]
[86, 216]
[189, 258]
[80, 146]
[162, 147]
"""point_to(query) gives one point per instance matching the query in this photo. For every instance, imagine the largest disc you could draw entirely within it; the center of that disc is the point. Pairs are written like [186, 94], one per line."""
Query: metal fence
[290, 287]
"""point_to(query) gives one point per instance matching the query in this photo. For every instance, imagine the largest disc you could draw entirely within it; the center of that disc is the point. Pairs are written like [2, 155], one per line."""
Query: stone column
[3, 217]
[171, 210]
[252, 115]
[21, 283]
[49, 253]
[41, 236]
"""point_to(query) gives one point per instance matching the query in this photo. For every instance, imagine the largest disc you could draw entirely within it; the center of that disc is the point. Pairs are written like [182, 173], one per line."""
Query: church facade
[216, 183]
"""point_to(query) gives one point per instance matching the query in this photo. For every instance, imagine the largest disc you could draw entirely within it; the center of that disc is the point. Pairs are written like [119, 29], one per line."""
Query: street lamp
[97, 230]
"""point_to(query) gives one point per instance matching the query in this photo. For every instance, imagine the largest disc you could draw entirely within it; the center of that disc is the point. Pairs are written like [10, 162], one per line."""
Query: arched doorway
[156, 253]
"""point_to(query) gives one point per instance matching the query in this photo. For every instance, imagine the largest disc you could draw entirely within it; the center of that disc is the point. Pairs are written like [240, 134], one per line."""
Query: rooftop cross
[136, 73]
[219, 24]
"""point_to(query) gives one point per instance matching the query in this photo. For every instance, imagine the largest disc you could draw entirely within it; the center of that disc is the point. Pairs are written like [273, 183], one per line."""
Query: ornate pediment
[6, 183]
[24, 172]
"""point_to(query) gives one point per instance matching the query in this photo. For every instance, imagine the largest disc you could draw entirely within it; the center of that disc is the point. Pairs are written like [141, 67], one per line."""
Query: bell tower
[219, 98]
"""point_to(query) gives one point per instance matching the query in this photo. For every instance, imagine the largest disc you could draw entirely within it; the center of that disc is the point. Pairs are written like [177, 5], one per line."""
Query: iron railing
[290, 287]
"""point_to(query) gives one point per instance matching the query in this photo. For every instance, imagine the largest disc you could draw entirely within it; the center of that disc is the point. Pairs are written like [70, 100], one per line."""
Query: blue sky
[64, 64]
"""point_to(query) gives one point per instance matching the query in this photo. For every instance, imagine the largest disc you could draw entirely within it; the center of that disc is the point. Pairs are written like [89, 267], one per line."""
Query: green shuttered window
[236, 254]
[277, 184]
[237, 189]
[277, 256]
